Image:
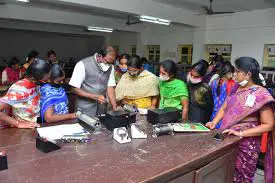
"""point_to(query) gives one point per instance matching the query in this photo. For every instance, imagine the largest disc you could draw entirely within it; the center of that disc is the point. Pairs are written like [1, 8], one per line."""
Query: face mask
[134, 74]
[104, 66]
[243, 83]
[192, 80]
[123, 70]
[164, 78]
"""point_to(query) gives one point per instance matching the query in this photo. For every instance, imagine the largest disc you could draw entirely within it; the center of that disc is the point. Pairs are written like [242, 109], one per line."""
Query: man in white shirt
[93, 78]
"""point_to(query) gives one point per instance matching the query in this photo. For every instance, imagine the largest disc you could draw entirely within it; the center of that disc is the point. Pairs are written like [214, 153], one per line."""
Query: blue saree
[53, 96]
[219, 98]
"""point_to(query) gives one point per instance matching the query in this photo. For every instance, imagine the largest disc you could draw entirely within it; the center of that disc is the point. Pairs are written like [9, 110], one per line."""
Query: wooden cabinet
[219, 171]
[187, 178]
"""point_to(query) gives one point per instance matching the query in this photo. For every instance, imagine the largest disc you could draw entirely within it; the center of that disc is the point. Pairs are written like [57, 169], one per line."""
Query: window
[133, 49]
[269, 55]
[153, 52]
[220, 49]
[185, 54]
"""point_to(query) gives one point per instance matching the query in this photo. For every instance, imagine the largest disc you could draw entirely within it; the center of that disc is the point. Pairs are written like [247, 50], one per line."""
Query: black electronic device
[45, 145]
[163, 116]
[117, 119]
[3, 161]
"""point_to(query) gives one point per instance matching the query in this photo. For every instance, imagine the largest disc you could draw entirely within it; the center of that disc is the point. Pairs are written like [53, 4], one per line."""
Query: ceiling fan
[210, 11]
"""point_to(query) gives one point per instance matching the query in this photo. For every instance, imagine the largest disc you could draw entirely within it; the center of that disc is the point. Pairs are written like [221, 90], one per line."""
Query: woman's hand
[233, 132]
[73, 116]
[26, 124]
[124, 101]
[152, 107]
[183, 117]
[211, 125]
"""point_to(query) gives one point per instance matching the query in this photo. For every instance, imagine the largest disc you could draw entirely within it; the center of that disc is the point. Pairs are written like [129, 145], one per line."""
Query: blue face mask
[123, 69]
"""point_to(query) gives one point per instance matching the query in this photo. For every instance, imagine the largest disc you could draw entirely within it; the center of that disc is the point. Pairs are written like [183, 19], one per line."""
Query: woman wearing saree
[248, 113]
[221, 88]
[138, 87]
[54, 101]
[173, 92]
[24, 98]
[11, 74]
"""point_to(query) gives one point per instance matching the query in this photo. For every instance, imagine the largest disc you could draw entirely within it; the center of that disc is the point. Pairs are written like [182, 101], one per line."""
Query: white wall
[167, 37]
[124, 40]
[246, 31]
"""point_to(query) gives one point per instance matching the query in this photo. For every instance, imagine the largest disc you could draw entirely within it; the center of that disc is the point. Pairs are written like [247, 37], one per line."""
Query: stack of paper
[57, 132]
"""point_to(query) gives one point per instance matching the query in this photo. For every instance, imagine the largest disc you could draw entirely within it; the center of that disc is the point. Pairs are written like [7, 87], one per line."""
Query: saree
[219, 98]
[172, 93]
[53, 96]
[23, 96]
[138, 90]
[249, 147]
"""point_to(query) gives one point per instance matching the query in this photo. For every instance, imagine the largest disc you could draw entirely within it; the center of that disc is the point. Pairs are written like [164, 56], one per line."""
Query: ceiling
[52, 4]
[220, 5]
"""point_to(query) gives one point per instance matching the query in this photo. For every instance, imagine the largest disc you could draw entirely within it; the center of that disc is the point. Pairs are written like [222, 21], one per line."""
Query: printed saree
[53, 96]
[249, 147]
[219, 98]
[23, 96]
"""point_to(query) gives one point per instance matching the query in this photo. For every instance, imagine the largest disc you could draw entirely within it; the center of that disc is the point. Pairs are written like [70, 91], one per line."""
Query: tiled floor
[259, 177]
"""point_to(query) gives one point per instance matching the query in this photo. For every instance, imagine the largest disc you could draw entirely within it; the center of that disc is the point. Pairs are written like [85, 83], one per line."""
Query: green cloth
[172, 93]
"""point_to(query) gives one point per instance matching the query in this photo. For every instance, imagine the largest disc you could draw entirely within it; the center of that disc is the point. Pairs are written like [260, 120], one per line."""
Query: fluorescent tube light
[100, 29]
[24, 1]
[154, 20]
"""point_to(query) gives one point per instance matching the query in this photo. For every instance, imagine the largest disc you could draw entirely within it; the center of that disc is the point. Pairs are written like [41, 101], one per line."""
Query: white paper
[57, 132]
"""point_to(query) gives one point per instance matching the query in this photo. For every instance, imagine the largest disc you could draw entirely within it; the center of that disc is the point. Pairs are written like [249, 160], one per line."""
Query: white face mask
[243, 83]
[104, 66]
[164, 78]
[192, 80]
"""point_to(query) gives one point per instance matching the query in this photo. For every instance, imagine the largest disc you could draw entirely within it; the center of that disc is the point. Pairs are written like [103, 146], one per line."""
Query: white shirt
[79, 76]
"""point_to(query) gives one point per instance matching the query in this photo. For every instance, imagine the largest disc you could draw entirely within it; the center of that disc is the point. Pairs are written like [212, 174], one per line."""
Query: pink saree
[249, 147]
